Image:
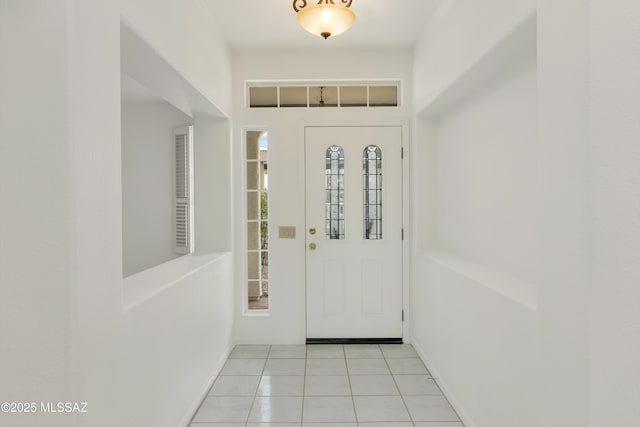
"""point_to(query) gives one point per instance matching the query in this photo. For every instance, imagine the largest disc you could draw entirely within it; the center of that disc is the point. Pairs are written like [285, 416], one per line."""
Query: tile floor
[337, 385]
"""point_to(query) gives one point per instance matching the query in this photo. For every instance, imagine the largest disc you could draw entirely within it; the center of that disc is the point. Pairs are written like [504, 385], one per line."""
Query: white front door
[354, 232]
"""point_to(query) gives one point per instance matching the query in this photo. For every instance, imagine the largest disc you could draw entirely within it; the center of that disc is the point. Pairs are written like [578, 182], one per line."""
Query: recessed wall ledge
[519, 45]
[143, 286]
[517, 290]
[143, 63]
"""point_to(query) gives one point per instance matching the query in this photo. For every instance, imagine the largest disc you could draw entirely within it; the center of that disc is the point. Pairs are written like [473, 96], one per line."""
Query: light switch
[287, 232]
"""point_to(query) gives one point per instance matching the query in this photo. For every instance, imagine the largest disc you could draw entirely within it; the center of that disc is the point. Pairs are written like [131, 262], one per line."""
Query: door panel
[334, 288]
[373, 295]
[354, 244]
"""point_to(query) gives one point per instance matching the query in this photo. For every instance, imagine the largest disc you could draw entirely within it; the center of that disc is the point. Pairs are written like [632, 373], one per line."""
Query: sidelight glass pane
[334, 209]
[253, 264]
[372, 171]
[253, 175]
[253, 206]
[253, 236]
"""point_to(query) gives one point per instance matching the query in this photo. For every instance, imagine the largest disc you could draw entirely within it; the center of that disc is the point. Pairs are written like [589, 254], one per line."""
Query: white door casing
[354, 284]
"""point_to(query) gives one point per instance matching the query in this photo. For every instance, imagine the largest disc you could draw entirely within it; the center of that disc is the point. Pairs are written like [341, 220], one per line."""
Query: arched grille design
[372, 176]
[334, 205]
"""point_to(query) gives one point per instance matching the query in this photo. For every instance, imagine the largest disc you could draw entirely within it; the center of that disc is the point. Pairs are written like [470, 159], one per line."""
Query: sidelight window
[257, 190]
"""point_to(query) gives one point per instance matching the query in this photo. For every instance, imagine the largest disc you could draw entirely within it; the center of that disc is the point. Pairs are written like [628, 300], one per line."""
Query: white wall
[286, 321]
[563, 136]
[148, 157]
[478, 248]
[187, 37]
[35, 273]
[586, 323]
[501, 261]
[615, 161]
[487, 181]
[212, 166]
[175, 342]
[90, 336]
[469, 29]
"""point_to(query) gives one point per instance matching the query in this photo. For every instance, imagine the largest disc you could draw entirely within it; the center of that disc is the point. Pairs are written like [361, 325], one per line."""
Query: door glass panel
[372, 174]
[334, 205]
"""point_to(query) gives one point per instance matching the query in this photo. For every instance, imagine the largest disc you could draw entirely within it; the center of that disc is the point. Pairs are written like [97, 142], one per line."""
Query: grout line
[304, 383]
[268, 353]
[353, 398]
[447, 400]
[255, 395]
[348, 373]
[406, 408]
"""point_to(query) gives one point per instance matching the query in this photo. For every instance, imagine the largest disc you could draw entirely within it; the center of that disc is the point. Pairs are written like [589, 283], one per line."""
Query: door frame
[406, 206]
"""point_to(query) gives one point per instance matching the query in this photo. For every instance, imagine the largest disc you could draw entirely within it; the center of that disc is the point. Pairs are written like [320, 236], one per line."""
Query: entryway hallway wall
[285, 323]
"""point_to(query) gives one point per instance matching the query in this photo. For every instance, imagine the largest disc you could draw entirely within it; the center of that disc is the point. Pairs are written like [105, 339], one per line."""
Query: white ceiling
[251, 24]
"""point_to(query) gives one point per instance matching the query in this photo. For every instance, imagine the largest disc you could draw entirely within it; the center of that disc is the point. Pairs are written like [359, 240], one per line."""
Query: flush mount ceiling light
[326, 18]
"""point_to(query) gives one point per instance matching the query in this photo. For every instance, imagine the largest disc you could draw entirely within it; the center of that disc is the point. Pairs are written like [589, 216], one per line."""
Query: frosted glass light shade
[326, 20]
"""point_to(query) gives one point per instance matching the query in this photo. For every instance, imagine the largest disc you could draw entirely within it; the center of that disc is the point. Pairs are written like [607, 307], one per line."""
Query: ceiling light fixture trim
[326, 18]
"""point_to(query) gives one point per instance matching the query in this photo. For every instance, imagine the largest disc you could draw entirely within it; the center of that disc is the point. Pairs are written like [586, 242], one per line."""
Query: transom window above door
[287, 94]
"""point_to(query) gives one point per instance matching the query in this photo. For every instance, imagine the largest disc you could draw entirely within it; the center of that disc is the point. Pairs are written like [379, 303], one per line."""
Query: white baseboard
[269, 340]
[186, 420]
[446, 390]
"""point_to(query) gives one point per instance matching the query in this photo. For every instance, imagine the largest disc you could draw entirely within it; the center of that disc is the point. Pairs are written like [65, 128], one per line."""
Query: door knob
[312, 231]
[312, 246]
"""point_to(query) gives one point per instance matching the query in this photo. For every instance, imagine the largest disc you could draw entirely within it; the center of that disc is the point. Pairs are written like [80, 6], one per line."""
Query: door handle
[312, 231]
[312, 246]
